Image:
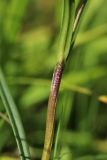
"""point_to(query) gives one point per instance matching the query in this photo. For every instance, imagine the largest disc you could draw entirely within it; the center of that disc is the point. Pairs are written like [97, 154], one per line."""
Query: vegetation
[36, 37]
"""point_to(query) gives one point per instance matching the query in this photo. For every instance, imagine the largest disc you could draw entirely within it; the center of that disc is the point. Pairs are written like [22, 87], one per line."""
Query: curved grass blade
[14, 118]
[77, 21]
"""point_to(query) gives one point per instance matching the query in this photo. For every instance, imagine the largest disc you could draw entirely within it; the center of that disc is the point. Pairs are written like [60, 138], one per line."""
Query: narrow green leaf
[64, 28]
[14, 117]
[70, 29]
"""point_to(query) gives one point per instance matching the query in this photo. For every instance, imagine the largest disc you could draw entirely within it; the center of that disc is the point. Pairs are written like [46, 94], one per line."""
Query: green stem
[14, 118]
[67, 37]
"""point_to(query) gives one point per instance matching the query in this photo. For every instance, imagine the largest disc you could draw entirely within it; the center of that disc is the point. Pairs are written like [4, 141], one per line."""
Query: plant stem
[67, 37]
[51, 110]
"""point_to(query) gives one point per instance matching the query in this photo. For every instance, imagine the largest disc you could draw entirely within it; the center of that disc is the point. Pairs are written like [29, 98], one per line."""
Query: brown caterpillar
[56, 80]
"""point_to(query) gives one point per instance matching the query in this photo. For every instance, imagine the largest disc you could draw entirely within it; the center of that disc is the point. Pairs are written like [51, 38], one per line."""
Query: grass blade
[14, 117]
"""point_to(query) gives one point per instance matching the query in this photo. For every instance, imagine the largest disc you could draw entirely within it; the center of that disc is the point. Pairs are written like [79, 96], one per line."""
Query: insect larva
[56, 79]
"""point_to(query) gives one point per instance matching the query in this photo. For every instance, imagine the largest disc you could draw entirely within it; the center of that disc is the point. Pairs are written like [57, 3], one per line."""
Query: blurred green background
[28, 53]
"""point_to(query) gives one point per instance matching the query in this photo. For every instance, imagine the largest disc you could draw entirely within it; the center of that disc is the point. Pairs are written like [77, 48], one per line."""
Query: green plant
[35, 37]
[14, 118]
[71, 17]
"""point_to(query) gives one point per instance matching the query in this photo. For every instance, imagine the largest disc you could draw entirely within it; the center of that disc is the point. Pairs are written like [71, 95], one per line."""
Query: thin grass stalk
[51, 111]
[14, 118]
[55, 84]
[69, 26]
